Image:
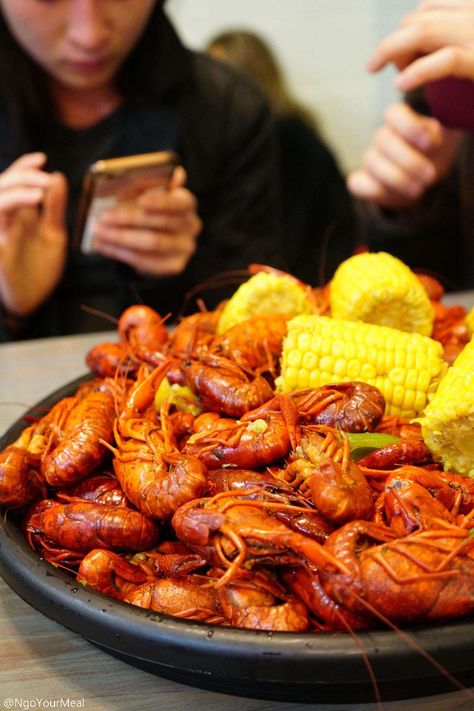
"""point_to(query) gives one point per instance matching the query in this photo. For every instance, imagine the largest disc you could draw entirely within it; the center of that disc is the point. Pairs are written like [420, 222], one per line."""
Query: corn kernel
[340, 368]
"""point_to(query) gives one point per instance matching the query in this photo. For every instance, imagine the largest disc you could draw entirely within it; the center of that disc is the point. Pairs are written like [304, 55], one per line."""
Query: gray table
[39, 659]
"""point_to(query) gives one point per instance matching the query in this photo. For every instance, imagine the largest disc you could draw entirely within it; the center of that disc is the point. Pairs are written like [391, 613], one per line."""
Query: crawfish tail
[81, 451]
[84, 526]
[20, 480]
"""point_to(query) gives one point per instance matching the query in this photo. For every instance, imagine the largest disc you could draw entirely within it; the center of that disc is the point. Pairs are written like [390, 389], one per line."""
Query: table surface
[41, 661]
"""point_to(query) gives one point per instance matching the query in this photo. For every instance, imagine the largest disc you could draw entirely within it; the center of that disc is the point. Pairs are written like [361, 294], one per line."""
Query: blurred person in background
[84, 80]
[416, 181]
[319, 229]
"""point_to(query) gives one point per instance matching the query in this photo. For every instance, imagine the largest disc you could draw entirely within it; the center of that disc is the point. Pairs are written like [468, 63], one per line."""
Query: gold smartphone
[117, 181]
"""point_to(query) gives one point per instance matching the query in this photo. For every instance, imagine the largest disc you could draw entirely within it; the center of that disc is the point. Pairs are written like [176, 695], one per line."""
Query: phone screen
[119, 181]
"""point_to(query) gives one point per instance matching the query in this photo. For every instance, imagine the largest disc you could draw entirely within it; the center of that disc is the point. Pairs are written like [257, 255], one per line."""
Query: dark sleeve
[424, 237]
[235, 180]
[320, 228]
[428, 237]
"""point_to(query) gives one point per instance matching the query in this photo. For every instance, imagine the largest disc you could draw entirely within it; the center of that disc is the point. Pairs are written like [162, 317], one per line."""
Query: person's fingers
[396, 149]
[423, 132]
[446, 62]
[143, 240]
[145, 251]
[18, 197]
[177, 200]
[390, 174]
[136, 217]
[362, 185]
[55, 200]
[29, 160]
[25, 177]
[421, 35]
[400, 47]
[179, 178]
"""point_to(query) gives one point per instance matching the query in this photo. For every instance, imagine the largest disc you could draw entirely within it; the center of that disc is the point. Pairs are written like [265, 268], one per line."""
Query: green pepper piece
[363, 443]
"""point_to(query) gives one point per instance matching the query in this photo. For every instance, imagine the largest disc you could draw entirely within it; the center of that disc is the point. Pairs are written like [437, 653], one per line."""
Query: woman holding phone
[84, 80]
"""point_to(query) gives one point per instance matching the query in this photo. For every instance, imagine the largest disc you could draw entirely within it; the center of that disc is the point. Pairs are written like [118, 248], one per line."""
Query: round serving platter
[317, 668]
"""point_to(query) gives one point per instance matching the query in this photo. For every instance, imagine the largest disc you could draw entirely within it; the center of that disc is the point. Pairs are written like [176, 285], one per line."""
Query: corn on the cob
[379, 288]
[266, 293]
[470, 321]
[448, 422]
[405, 367]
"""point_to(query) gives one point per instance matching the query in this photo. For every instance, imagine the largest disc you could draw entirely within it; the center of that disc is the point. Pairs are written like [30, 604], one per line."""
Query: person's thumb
[179, 178]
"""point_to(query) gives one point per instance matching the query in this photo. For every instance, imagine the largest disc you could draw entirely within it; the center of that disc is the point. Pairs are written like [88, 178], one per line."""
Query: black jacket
[319, 222]
[221, 127]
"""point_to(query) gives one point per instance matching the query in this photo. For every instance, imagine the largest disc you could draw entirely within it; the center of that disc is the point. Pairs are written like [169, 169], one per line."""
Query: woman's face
[80, 44]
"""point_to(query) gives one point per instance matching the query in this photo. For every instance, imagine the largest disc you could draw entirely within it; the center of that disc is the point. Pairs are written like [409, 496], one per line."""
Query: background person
[317, 213]
[416, 180]
[92, 79]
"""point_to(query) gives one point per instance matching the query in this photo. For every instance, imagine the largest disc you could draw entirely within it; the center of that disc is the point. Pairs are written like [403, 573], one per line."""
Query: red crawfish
[143, 332]
[415, 498]
[21, 480]
[190, 598]
[253, 441]
[223, 386]
[256, 601]
[336, 484]
[352, 406]
[155, 476]
[292, 509]
[80, 527]
[101, 488]
[110, 573]
[428, 575]
[193, 334]
[254, 344]
[305, 582]
[80, 447]
[107, 360]
[243, 532]
[170, 559]
[395, 455]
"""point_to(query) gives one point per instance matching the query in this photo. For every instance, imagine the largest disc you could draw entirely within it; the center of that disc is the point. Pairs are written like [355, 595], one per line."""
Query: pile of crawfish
[249, 512]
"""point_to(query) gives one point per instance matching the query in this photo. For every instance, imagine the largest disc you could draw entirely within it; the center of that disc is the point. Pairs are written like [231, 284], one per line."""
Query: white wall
[322, 46]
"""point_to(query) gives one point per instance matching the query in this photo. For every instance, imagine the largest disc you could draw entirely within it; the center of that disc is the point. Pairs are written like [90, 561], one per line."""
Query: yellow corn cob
[266, 293]
[448, 422]
[405, 367]
[470, 321]
[379, 288]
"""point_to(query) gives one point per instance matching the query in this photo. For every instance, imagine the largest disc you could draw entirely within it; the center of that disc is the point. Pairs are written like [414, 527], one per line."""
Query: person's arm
[32, 237]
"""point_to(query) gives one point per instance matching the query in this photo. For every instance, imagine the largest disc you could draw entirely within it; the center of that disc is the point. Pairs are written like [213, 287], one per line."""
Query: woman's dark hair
[24, 96]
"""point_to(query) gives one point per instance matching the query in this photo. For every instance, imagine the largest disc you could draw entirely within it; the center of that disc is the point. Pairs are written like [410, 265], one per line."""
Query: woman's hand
[157, 235]
[433, 42]
[409, 153]
[33, 238]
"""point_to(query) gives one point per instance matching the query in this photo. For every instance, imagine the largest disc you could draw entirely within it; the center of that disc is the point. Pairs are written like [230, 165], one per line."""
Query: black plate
[318, 668]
